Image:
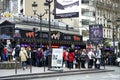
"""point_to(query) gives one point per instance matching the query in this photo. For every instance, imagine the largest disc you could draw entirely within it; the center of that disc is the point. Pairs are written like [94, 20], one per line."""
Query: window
[85, 12]
[85, 22]
[85, 1]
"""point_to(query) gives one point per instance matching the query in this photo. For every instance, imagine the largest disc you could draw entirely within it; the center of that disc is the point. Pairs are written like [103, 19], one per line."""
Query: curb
[51, 74]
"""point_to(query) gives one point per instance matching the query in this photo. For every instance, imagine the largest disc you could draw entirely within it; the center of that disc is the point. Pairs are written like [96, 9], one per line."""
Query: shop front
[36, 39]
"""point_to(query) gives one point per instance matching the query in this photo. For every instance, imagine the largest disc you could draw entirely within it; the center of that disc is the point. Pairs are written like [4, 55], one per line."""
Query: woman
[39, 57]
[91, 56]
[23, 57]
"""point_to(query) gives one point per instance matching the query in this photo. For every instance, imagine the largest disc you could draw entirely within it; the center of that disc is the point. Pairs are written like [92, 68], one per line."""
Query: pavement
[38, 72]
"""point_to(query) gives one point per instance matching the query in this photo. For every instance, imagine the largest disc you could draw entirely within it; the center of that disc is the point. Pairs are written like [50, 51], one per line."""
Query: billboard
[57, 57]
[66, 8]
[95, 34]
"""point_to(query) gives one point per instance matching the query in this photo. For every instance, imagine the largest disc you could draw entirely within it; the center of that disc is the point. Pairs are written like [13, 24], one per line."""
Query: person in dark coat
[77, 58]
[1, 50]
[17, 51]
[33, 57]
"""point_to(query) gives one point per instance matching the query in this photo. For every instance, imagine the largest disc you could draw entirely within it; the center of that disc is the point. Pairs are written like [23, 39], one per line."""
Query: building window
[85, 1]
[85, 22]
[85, 12]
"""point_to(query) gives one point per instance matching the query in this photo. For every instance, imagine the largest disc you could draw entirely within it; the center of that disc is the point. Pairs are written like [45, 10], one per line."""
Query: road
[94, 76]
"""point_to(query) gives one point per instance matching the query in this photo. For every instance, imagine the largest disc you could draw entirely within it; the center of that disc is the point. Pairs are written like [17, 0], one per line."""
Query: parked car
[118, 61]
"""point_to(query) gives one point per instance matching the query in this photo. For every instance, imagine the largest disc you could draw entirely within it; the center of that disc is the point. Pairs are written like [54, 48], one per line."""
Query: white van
[118, 59]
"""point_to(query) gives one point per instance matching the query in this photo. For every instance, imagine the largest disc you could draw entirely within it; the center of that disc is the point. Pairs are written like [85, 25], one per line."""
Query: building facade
[90, 12]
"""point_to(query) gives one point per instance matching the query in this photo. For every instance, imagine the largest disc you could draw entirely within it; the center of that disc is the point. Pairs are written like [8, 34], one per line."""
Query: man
[97, 58]
[1, 50]
[17, 51]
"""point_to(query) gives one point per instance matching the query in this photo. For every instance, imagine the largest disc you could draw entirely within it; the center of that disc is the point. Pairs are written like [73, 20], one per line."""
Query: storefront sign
[96, 34]
[66, 8]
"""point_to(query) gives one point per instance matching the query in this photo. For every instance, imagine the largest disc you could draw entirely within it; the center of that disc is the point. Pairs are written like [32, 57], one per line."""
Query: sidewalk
[6, 73]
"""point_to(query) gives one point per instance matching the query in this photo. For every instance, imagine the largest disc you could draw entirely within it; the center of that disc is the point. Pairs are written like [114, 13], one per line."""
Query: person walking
[23, 57]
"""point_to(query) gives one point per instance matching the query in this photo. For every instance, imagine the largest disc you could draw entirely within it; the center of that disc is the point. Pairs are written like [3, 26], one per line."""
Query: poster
[66, 8]
[17, 34]
[57, 57]
[96, 34]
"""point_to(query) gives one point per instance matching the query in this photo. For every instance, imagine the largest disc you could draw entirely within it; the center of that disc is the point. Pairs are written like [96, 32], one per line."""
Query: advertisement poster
[57, 57]
[96, 34]
[17, 34]
[66, 8]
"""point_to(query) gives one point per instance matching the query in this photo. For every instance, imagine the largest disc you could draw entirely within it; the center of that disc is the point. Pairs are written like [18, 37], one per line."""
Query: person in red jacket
[71, 58]
[64, 58]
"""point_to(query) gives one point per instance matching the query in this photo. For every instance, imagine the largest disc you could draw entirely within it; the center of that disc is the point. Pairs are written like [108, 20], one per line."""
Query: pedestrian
[9, 51]
[29, 52]
[17, 52]
[46, 52]
[1, 50]
[4, 54]
[33, 56]
[39, 57]
[64, 59]
[91, 56]
[83, 58]
[71, 56]
[97, 58]
[77, 58]
[23, 57]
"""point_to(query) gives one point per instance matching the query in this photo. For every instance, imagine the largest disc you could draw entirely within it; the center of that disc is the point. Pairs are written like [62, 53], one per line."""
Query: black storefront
[6, 31]
[34, 39]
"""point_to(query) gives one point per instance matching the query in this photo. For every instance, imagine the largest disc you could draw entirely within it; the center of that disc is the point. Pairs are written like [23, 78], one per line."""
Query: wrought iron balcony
[103, 5]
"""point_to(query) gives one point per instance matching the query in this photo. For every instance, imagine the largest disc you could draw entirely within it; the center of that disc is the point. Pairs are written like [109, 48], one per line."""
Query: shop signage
[95, 34]
[66, 8]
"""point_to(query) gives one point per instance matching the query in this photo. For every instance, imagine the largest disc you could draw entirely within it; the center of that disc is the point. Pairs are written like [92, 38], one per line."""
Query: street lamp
[34, 6]
[48, 3]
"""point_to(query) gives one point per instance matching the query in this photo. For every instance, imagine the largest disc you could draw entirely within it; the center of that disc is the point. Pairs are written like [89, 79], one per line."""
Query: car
[118, 61]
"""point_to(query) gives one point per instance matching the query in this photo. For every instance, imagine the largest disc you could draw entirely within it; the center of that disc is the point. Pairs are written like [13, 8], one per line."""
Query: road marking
[58, 78]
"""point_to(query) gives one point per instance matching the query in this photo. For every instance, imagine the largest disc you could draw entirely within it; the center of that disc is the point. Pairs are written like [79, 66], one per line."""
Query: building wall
[89, 13]
[107, 9]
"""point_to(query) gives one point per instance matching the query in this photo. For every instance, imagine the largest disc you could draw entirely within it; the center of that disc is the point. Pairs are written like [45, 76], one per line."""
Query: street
[94, 76]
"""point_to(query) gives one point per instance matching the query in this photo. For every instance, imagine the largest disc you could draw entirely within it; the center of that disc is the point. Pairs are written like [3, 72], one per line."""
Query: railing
[21, 19]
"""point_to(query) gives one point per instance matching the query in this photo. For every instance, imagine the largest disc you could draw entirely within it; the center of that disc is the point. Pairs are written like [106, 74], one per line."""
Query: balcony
[103, 5]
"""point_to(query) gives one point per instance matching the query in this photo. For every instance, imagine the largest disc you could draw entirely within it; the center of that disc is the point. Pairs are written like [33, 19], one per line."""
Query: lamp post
[34, 5]
[48, 3]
